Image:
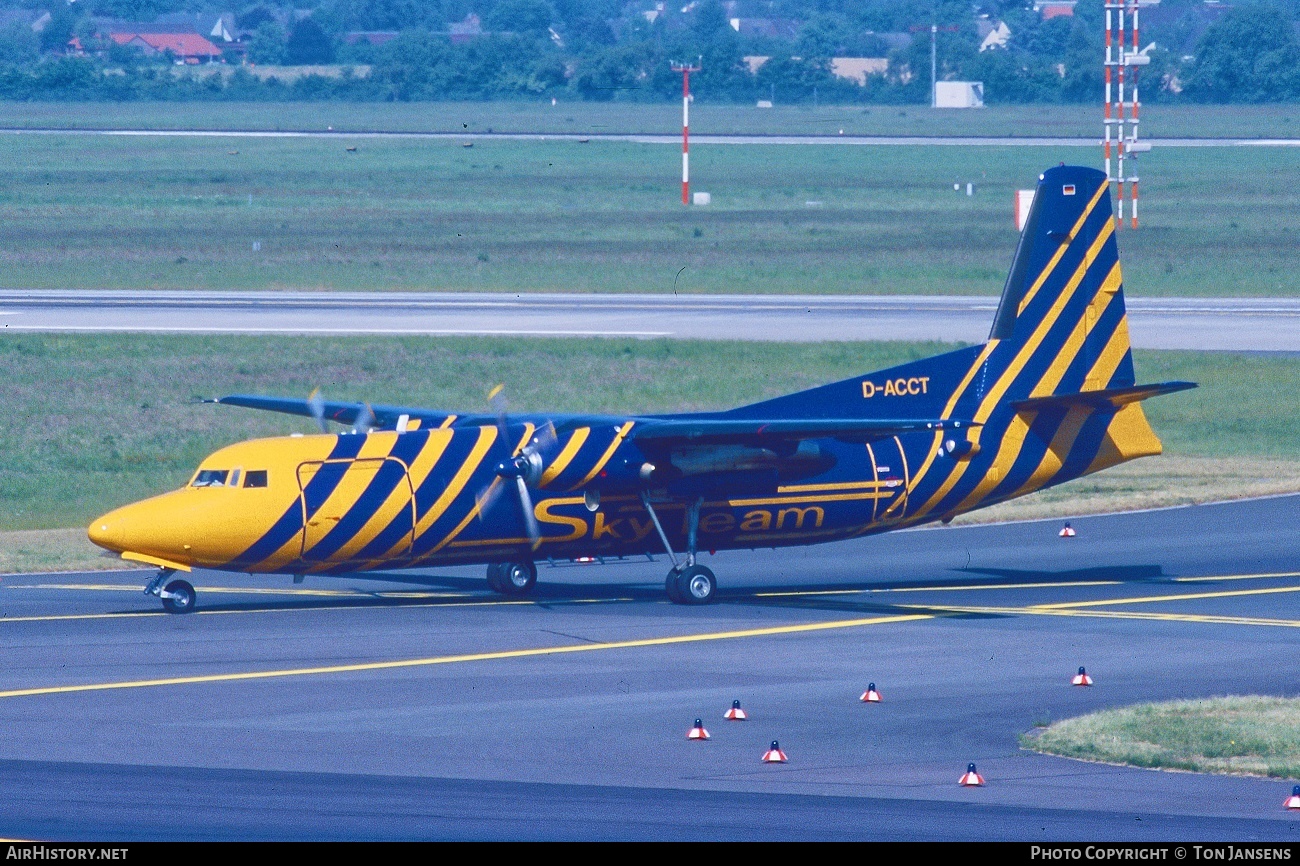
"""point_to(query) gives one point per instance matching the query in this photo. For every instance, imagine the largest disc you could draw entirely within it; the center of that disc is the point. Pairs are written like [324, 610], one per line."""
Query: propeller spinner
[524, 466]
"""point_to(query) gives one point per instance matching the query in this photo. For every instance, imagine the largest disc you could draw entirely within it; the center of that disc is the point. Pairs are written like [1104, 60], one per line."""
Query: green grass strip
[1253, 735]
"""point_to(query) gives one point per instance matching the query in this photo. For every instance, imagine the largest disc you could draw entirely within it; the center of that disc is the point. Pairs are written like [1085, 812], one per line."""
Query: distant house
[994, 36]
[856, 69]
[463, 31]
[185, 47]
[772, 28]
[1055, 8]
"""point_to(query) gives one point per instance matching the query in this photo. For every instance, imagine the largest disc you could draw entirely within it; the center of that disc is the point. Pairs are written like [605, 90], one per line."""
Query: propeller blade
[530, 519]
[316, 403]
[497, 399]
[488, 496]
[544, 439]
[365, 419]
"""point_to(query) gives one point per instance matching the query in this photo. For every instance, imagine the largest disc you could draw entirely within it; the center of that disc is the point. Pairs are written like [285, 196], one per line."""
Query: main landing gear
[512, 578]
[688, 582]
[177, 596]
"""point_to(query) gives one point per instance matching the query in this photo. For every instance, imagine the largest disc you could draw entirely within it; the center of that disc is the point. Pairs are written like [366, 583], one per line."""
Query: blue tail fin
[1061, 326]
[1059, 329]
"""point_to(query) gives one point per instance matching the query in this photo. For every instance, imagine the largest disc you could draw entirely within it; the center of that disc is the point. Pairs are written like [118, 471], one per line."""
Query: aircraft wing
[343, 413]
[711, 431]
[1112, 398]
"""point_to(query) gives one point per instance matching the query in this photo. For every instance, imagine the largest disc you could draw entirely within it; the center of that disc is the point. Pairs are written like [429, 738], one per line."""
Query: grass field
[1253, 736]
[237, 213]
[97, 421]
[1159, 121]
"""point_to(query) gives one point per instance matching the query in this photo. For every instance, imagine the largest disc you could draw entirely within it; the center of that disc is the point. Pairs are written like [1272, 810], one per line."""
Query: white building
[959, 94]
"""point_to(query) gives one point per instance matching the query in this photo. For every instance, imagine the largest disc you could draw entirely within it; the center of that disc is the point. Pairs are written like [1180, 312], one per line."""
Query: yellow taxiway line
[956, 587]
[471, 657]
[1088, 609]
[68, 617]
[1212, 619]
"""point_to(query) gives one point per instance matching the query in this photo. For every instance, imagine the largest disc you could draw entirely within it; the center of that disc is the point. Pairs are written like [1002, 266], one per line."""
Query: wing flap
[748, 431]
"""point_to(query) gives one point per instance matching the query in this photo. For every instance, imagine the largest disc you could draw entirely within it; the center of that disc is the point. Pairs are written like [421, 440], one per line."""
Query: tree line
[598, 50]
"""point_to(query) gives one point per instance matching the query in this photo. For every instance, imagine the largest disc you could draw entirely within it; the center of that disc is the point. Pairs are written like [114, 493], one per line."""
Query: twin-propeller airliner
[1051, 396]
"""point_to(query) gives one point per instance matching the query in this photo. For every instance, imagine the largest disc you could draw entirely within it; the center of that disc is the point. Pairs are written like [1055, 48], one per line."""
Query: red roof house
[186, 47]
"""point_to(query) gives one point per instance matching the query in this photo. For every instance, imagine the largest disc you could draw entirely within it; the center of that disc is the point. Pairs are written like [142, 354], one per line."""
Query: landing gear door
[889, 463]
[351, 508]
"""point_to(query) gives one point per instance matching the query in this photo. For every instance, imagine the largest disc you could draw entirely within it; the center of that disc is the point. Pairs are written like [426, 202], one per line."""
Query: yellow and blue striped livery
[1051, 396]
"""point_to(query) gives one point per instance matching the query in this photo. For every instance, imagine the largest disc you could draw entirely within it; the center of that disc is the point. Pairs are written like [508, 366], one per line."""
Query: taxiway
[421, 706]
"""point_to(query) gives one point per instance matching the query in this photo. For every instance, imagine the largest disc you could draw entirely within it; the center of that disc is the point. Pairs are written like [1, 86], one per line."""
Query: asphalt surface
[673, 138]
[420, 706]
[1242, 324]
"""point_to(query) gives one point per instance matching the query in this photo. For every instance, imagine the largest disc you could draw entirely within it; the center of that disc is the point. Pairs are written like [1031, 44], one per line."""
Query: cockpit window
[210, 478]
[255, 478]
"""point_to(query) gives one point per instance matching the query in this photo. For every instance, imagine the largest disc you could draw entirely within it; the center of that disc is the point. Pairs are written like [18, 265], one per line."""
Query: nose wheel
[178, 596]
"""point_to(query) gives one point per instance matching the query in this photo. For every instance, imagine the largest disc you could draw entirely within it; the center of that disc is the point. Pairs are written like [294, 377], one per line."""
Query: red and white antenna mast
[686, 69]
[1123, 130]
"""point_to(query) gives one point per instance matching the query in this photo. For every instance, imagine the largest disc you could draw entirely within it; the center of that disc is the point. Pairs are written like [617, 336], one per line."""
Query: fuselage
[365, 501]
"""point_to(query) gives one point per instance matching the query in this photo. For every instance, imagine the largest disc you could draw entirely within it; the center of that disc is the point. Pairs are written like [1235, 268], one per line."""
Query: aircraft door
[351, 506]
[889, 463]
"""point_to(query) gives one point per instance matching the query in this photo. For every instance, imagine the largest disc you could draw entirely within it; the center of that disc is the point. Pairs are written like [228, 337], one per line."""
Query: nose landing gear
[178, 596]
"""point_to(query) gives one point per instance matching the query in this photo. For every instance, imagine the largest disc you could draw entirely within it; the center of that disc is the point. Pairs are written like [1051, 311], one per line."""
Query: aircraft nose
[108, 531]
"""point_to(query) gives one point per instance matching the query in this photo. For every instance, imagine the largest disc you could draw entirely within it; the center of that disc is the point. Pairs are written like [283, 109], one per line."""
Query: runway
[421, 706]
[1240, 324]
[672, 138]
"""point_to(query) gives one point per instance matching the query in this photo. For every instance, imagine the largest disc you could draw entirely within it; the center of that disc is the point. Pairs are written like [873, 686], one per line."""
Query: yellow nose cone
[107, 532]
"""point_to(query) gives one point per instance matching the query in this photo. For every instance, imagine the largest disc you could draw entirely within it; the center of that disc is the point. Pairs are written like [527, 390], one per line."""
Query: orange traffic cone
[1067, 531]
[697, 732]
[774, 755]
[1081, 678]
[870, 696]
[735, 714]
[1293, 802]
[971, 779]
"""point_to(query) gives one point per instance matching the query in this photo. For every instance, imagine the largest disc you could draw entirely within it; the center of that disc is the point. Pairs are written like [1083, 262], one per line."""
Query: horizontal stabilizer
[726, 430]
[1111, 398]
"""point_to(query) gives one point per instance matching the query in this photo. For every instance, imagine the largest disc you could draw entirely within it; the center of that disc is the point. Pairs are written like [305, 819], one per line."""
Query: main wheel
[495, 578]
[517, 578]
[179, 597]
[696, 585]
[670, 587]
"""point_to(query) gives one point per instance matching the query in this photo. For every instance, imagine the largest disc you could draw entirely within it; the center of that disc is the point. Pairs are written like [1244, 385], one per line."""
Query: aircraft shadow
[474, 590]
[1121, 573]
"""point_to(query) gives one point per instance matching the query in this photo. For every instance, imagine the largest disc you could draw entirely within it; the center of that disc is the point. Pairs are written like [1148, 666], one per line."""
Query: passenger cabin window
[210, 478]
[255, 478]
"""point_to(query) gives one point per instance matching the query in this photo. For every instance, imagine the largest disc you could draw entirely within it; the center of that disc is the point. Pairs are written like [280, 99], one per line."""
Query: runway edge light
[870, 696]
[1067, 531]
[1293, 802]
[1081, 678]
[971, 779]
[735, 714]
[697, 732]
[774, 755]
